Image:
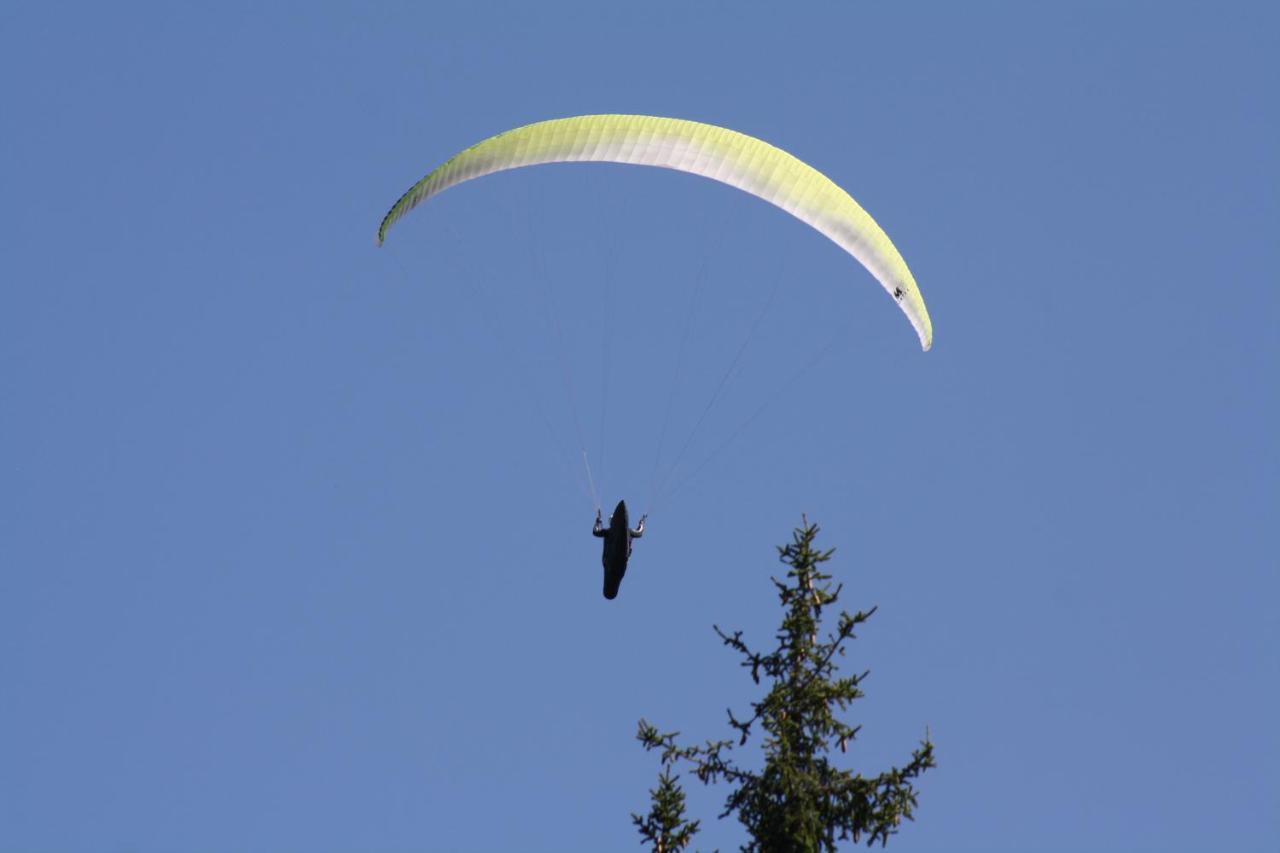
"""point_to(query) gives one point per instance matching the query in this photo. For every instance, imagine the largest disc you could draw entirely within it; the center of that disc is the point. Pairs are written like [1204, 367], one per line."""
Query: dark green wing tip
[382, 228]
[402, 205]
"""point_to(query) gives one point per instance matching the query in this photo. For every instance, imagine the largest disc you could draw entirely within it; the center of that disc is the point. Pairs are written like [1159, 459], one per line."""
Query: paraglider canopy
[723, 155]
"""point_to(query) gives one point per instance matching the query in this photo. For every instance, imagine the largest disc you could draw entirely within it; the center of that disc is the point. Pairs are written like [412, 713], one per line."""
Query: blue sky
[294, 548]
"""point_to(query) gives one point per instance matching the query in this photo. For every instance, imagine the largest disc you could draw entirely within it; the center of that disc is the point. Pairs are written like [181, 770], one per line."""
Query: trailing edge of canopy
[723, 155]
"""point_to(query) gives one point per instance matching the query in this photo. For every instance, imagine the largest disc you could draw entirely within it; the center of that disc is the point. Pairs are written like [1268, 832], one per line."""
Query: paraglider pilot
[617, 546]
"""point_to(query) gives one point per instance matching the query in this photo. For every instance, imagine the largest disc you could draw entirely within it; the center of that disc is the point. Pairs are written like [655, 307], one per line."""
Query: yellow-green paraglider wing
[714, 152]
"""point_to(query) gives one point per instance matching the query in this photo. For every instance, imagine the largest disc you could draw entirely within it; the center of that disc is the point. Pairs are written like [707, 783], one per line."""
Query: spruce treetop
[800, 800]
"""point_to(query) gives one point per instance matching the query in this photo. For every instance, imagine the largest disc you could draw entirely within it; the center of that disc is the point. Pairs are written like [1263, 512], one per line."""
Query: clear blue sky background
[294, 554]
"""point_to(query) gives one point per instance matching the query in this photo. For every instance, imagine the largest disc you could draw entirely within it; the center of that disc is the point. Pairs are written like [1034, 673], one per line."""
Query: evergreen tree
[665, 827]
[799, 801]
